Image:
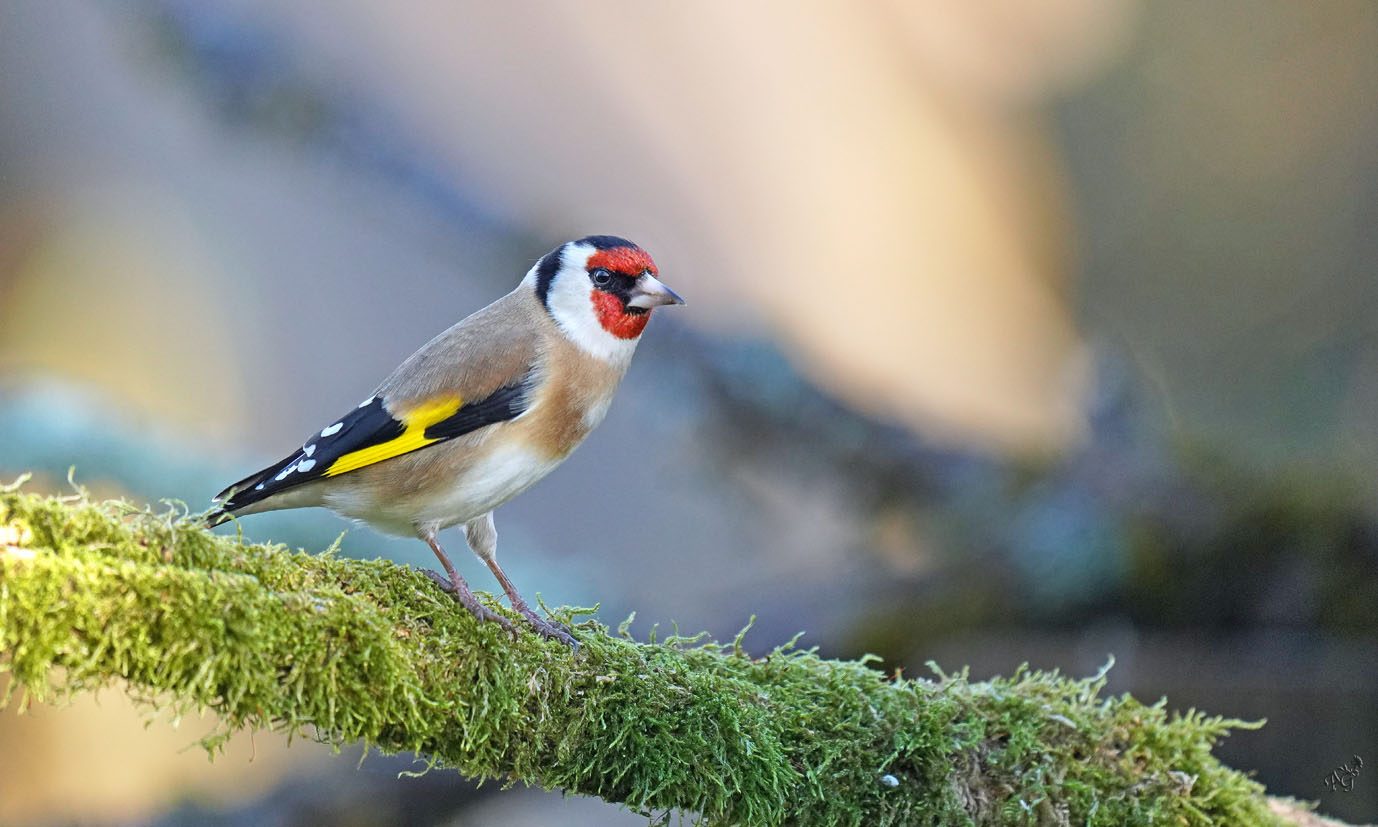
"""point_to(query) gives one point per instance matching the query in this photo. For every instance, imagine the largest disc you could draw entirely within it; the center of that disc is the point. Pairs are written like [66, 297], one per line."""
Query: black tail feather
[246, 492]
[234, 493]
[217, 517]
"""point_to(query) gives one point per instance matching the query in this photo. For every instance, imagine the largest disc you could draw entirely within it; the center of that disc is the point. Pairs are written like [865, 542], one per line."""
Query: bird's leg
[483, 539]
[457, 587]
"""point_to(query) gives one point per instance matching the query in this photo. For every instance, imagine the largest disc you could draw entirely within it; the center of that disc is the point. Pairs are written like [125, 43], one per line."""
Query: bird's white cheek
[571, 305]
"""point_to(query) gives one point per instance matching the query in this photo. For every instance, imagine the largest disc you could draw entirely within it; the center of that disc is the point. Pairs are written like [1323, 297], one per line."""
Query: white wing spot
[309, 449]
[282, 475]
[306, 465]
[258, 487]
[333, 429]
[367, 402]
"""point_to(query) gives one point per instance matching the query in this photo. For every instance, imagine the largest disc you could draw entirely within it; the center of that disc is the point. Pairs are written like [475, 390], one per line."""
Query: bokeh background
[1018, 331]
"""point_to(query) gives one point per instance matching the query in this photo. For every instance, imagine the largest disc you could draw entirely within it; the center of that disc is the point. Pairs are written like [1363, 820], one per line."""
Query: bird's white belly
[497, 477]
[501, 475]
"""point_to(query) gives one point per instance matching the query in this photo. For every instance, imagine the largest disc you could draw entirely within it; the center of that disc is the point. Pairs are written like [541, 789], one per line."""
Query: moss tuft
[348, 650]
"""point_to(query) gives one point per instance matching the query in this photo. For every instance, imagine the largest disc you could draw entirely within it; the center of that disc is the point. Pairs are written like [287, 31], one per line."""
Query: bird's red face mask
[625, 290]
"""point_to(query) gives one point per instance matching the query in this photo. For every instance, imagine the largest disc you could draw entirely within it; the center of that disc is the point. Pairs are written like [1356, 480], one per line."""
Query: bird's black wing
[370, 434]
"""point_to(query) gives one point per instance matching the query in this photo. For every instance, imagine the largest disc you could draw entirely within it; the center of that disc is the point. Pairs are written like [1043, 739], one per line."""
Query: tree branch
[349, 650]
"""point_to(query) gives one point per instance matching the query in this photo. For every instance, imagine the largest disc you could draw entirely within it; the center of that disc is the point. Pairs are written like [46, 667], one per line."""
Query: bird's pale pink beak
[648, 292]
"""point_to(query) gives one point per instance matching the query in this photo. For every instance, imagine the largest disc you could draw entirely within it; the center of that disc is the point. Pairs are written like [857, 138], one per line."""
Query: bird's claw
[547, 629]
[553, 631]
[466, 599]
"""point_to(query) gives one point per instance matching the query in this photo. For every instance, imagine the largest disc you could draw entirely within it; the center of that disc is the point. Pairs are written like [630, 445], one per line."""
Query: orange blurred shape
[869, 179]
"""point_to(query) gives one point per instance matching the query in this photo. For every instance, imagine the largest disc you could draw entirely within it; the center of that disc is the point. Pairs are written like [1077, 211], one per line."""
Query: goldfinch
[477, 415]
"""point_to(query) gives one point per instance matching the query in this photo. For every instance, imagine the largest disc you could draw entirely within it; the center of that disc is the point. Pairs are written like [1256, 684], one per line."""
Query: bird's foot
[438, 579]
[467, 599]
[554, 631]
[548, 629]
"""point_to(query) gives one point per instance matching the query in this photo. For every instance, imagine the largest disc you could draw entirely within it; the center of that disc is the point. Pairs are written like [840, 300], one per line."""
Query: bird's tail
[218, 516]
[240, 494]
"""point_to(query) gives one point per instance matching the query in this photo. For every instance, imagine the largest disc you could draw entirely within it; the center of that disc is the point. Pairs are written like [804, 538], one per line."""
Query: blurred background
[1017, 331]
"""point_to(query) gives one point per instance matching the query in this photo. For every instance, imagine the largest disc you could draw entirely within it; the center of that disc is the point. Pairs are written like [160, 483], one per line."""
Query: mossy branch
[347, 650]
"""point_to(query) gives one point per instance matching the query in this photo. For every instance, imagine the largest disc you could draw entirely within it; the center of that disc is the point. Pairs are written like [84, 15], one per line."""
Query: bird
[478, 415]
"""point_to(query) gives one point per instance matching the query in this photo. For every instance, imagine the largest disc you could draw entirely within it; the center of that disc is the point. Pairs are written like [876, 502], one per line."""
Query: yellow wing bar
[413, 436]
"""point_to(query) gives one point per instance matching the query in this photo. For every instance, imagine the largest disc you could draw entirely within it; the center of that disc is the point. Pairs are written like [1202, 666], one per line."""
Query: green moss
[347, 651]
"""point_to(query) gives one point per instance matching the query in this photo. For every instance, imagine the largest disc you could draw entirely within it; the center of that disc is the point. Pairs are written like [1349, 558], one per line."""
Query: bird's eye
[601, 277]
